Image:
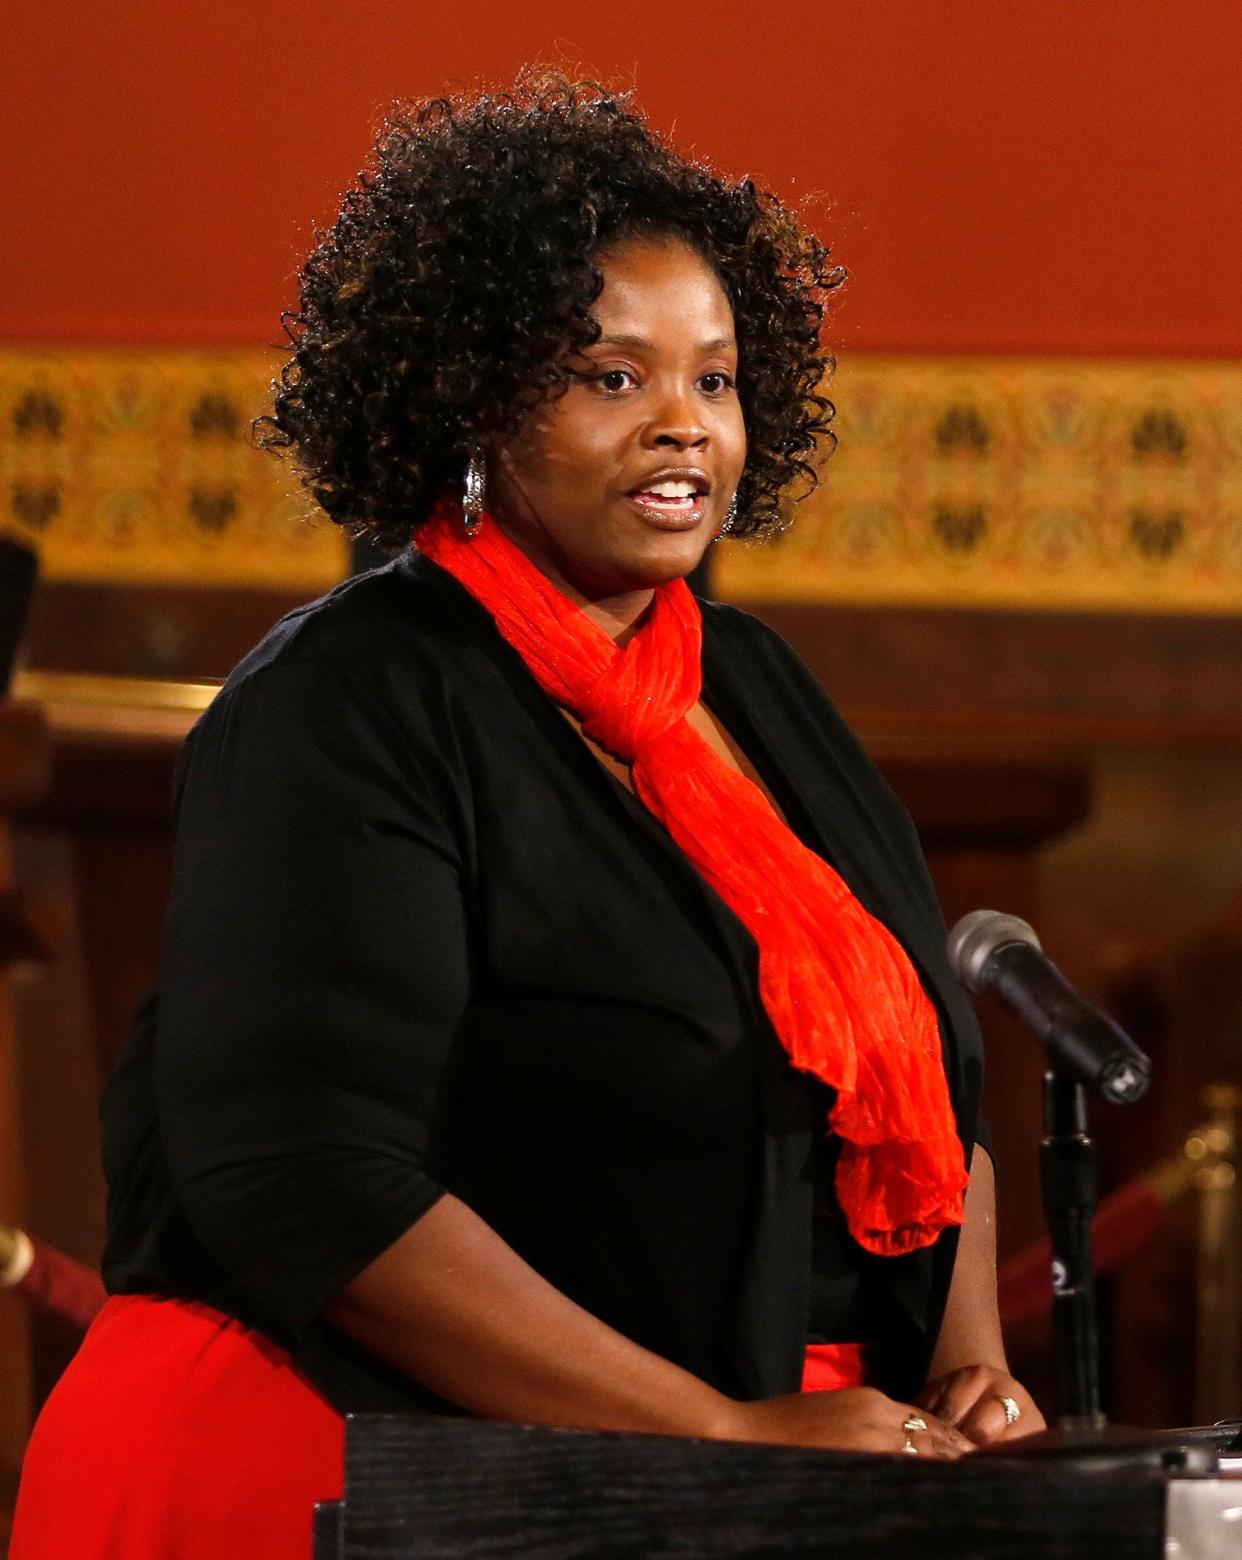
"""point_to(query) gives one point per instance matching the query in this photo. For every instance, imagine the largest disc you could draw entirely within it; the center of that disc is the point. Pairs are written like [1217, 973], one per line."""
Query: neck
[617, 613]
[618, 616]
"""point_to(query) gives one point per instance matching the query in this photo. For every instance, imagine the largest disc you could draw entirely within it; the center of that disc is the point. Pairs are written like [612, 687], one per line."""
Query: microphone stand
[989, 951]
[1068, 1182]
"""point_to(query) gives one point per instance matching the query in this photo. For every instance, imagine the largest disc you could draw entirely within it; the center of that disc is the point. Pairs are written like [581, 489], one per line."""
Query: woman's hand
[972, 1398]
[855, 1419]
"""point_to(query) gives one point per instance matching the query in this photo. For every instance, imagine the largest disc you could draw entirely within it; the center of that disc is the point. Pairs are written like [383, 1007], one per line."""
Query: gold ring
[1012, 1412]
[915, 1422]
[910, 1447]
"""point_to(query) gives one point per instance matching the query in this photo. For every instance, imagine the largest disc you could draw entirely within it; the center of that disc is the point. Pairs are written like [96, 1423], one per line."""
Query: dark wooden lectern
[423, 1489]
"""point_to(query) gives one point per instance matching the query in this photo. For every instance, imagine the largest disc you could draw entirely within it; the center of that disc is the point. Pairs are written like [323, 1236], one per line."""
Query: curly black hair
[460, 276]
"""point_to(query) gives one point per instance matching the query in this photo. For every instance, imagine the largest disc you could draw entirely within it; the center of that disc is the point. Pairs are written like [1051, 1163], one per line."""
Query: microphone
[990, 951]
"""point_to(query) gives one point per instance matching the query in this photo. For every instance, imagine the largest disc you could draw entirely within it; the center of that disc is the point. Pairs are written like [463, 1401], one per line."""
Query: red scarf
[837, 986]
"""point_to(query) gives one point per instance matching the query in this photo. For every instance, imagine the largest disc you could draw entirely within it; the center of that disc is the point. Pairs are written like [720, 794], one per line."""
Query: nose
[676, 423]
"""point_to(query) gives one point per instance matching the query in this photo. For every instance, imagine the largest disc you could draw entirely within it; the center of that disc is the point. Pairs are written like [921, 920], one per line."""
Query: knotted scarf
[838, 988]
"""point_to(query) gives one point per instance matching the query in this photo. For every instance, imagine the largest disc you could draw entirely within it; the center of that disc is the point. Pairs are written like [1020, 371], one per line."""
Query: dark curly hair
[461, 273]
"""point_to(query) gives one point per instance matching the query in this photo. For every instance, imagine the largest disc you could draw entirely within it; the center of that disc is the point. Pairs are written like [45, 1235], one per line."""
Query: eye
[717, 382]
[614, 380]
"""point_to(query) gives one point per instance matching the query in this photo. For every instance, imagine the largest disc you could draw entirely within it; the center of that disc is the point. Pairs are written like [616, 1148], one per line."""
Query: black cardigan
[420, 939]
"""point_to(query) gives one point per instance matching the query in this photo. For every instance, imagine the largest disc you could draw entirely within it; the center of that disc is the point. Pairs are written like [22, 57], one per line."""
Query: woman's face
[620, 484]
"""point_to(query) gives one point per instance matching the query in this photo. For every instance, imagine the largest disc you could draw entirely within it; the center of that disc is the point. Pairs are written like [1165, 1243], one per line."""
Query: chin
[664, 563]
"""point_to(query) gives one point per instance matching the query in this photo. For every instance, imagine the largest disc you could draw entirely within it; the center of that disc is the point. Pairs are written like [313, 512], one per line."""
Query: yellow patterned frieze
[1022, 483]
[137, 467]
[990, 482]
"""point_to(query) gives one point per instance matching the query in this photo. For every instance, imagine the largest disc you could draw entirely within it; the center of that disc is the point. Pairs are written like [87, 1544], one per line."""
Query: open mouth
[679, 497]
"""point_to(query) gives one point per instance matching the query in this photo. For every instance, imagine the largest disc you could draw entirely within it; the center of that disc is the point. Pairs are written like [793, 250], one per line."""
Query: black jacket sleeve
[314, 973]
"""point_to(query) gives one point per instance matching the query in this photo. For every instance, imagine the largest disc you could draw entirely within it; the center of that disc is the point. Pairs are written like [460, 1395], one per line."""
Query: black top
[419, 938]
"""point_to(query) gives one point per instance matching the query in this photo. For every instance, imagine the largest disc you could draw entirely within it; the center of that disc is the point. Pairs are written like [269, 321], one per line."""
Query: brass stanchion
[1213, 1149]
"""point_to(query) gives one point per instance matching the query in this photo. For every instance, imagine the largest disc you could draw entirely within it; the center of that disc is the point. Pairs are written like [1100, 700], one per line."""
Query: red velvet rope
[56, 1283]
[1124, 1223]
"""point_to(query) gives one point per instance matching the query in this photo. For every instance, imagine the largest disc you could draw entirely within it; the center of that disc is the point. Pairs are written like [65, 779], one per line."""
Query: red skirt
[177, 1434]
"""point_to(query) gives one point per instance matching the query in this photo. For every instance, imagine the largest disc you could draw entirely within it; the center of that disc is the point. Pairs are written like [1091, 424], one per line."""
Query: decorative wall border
[960, 482]
[1019, 482]
[137, 467]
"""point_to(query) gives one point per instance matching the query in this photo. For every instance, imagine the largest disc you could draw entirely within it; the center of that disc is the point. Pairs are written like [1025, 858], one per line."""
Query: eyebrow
[718, 344]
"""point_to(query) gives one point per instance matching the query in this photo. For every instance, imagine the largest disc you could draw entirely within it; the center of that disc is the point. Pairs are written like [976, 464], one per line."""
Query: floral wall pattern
[1092, 484]
[138, 467]
[1022, 483]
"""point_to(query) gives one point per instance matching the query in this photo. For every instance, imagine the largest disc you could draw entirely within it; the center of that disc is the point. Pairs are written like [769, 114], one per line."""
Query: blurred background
[1022, 577]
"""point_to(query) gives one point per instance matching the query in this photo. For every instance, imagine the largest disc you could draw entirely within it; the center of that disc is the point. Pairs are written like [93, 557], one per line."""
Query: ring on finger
[915, 1422]
[910, 1447]
[1013, 1411]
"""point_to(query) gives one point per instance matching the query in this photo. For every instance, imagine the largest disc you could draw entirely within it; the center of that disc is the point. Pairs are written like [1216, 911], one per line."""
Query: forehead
[661, 288]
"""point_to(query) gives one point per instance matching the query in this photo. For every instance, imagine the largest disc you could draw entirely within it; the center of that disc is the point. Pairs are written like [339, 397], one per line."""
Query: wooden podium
[423, 1489]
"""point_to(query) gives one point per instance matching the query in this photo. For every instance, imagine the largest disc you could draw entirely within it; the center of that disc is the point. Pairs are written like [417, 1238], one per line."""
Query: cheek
[585, 456]
[734, 437]
[569, 446]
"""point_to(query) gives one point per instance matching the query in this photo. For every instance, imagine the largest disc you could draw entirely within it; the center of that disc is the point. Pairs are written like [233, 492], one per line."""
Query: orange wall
[1003, 175]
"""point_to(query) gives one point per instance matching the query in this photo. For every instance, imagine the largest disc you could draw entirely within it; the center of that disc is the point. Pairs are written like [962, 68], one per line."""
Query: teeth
[672, 489]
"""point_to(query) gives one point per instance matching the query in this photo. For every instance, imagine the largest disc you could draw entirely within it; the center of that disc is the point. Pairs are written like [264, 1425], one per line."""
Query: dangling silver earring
[473, 489]
[730, 517]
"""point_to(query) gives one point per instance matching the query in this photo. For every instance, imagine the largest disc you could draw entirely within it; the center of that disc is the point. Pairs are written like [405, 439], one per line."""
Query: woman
[554, 1023]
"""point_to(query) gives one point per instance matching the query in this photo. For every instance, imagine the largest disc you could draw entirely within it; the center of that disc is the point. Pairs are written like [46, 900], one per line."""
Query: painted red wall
[1050, 175]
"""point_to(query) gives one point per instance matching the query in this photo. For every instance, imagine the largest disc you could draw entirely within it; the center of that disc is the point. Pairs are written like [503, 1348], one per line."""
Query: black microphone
[999, 953]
